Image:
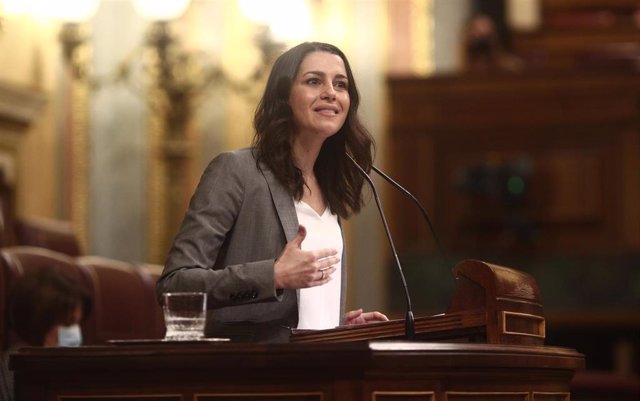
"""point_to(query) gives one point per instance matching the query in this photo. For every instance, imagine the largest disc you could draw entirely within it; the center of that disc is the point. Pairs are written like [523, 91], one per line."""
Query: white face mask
[69, 336]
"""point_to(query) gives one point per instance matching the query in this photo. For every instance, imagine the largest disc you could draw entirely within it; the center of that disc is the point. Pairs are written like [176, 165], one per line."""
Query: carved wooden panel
[248, 396]
[234, 371]
[486, 396]
[403, 396]
[536, 162]
[551, 397]
[122, 397]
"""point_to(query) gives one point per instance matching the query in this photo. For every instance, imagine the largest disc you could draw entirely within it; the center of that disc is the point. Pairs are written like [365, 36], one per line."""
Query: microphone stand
[409, 322]
[415, 200]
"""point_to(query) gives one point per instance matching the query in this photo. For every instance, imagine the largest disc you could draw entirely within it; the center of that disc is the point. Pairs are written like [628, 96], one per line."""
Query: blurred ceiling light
[43, 9]
[15, 7]
[11, 8]
[63, 10]
[161, 10]
[524, 15]
[71, 10]
[288, 20]
[256, 10]
[82, 10]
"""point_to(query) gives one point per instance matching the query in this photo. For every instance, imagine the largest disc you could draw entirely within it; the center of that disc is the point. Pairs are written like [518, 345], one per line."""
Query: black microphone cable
[409, 323]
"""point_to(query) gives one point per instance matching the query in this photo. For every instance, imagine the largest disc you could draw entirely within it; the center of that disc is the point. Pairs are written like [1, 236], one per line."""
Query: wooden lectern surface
[372, 371]
[491, 304]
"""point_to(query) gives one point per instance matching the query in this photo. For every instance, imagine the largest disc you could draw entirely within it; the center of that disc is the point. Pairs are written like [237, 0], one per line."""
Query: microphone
[416, 201]
[409, 322]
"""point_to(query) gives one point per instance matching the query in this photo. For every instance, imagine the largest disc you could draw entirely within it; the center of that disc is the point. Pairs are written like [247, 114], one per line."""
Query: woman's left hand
[359, 317]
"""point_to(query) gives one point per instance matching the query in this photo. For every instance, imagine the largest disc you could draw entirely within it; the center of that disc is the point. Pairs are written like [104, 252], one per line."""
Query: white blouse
[319, 307]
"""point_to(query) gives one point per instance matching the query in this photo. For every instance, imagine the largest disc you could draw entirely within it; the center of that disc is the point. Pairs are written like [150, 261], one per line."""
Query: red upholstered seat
[124, 302]
[57, 235]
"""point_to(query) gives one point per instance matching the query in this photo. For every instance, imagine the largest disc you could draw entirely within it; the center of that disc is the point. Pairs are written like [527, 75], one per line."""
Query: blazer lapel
[283, 203]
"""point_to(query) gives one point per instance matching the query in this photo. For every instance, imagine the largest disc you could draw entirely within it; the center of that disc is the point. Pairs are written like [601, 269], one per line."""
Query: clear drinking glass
[184, 315]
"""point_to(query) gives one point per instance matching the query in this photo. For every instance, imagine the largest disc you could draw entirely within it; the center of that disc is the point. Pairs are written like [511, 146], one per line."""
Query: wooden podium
[491, 304]
[352, 371]
[490, 348]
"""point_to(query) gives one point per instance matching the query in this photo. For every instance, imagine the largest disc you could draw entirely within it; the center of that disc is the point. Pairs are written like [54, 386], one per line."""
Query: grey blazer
[238, 221]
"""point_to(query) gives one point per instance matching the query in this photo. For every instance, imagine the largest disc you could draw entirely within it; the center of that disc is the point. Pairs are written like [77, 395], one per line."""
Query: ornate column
[76, 115]
[170, 153]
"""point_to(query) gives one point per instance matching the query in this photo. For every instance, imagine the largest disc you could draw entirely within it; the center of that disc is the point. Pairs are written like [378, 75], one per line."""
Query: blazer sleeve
[192, 261]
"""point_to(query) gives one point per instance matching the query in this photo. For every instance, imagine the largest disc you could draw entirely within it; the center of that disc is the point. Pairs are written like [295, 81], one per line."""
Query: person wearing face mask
[263, 232]
[45, 309]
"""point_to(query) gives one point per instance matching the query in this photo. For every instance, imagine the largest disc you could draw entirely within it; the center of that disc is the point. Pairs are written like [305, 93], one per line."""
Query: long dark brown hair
[339, 180]
[41, 300]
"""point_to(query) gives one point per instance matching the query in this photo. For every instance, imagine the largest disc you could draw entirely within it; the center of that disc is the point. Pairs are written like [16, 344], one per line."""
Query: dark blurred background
[531, 159]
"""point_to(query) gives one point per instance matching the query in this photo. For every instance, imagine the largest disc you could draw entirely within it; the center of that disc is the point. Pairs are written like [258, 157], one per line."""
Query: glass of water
[184, 315]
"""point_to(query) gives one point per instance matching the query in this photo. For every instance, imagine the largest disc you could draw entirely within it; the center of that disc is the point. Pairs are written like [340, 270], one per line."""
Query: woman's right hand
[295, 268]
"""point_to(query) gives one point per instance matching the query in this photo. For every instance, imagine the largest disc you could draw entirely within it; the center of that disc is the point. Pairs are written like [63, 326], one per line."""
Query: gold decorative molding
[487, 395]
[156, 170]
[277, 396]
[129, 397]
[546, 396]
[422, 37]
[403, 396]
[79, 162]
[77, 149]
[516, 323]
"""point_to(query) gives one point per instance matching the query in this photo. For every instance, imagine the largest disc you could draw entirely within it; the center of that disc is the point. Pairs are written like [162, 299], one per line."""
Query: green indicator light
[515, 185]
